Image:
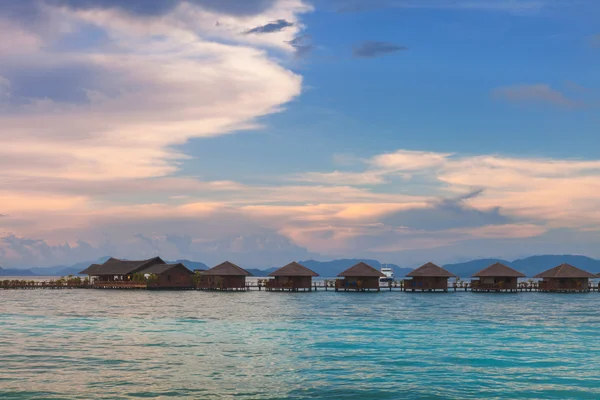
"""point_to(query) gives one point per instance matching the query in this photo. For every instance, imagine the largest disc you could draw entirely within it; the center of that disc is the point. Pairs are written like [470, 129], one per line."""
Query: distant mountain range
[530, 266]
[62, 270]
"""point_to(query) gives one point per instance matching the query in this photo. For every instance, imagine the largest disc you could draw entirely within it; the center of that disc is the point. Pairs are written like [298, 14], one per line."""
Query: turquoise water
[81, 344]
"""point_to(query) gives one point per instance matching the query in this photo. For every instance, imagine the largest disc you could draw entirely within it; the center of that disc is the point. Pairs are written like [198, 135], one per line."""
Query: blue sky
[267, 131]
[438, 94]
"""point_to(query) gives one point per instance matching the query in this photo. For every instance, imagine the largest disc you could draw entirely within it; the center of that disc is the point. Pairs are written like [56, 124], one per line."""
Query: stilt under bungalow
[360, 277]
[293, 277]
[496, 278]
[225, 276]
[564, 278]
[427, 278]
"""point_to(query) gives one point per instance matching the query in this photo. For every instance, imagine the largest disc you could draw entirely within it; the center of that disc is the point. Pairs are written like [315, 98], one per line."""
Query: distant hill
[62, 270]
[16, 272]
[260, 272]
[536, 264]
[530, 266]
[66, 270]
[191, 264]
[467, 269]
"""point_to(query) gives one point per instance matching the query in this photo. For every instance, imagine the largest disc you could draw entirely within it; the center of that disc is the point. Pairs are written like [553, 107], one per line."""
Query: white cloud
[401, 163]
[163, 81]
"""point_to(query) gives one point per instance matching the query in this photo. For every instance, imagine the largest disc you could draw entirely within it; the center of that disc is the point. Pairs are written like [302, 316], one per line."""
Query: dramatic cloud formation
[100, 99]
[77, 125]
[454, 200]
[371, 49]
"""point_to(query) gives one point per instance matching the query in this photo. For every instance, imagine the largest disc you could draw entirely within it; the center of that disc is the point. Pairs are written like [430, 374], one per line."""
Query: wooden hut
[428, 277]
[496, 278]
[225, 276]
[292, 277]
[564, 278]
[115, 272]
[168, 276]
[360, 277]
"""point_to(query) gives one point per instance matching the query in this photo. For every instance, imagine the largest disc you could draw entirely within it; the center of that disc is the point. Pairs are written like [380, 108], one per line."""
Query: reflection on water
[131, 344]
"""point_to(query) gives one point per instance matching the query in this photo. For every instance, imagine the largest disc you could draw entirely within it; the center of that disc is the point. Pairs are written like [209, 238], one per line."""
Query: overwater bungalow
[360, 277]
[225, 276]
[118, 272]
[496, 278]
[168, 276]
[428, 277]
[293, 277]
[564, 278]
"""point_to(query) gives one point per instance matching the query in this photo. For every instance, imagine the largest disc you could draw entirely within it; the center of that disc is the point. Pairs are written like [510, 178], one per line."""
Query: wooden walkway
[323, 286]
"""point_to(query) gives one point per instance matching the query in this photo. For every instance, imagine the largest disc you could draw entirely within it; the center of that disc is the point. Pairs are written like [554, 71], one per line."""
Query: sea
[127, 344]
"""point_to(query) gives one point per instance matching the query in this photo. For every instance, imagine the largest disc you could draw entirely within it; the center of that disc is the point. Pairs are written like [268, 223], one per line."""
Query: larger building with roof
[153, 273]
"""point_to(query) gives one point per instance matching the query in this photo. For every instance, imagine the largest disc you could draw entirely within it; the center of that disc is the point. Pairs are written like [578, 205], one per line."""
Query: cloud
[535, 93]
[448, 213]
[18, 251]
[370, 49]
[401, 163]
[31, 9]
[302, 44]
[166, 81]
[408, 160]
[271, 27]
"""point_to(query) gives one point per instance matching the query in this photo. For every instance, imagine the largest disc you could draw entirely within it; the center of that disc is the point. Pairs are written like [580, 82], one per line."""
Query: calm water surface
[81, 344]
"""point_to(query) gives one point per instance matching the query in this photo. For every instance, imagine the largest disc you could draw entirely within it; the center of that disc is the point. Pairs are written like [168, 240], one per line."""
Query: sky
[266, 131]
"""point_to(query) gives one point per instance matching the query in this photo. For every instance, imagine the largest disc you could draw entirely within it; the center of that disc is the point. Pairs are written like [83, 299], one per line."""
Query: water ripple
[82, 344]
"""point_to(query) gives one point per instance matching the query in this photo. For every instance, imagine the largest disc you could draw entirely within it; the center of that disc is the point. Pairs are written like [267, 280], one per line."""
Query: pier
[155, 274]
[327, 285]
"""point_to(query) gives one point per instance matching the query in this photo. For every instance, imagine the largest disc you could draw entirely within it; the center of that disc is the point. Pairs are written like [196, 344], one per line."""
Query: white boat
[388, 272]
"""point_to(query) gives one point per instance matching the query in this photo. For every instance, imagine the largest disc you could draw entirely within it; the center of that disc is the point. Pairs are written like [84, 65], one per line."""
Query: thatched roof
[362, 270]
[158, 269]
[565, 271]
[293, 269]
[114, 266]
[430, 270]
[227, 269]
[499, 270]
